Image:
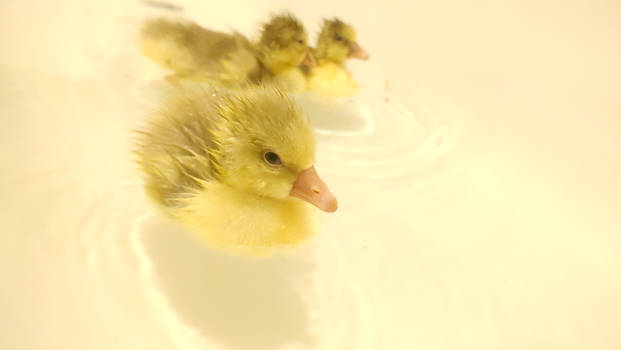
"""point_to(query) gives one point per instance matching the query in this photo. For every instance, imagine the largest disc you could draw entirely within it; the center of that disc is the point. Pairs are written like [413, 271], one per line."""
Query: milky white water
[478, 176]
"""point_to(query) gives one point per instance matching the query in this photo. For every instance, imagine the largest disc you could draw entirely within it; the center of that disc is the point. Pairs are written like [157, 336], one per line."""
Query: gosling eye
[337, 37]
[272, 158]
[301, 41]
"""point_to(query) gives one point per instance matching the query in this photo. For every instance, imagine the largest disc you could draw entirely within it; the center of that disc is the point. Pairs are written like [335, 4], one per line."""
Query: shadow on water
[238, 302]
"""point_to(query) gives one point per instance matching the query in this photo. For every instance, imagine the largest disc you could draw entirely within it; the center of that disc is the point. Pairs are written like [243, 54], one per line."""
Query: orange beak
[355, 51]
[309, 187]
[309, 60]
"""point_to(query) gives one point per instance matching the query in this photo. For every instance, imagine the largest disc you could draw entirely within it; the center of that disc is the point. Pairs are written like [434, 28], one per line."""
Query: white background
[479, 183]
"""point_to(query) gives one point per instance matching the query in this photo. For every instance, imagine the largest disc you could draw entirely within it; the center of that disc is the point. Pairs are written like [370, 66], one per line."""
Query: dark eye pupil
[272, 158]
[338, 37]
[301, 41]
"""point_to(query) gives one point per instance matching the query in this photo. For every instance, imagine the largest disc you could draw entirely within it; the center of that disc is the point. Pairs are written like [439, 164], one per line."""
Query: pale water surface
[478, 175]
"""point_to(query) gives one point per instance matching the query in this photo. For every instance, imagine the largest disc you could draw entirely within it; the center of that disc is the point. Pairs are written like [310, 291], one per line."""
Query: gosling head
[284, 44]
[265, 145]
[337, 43]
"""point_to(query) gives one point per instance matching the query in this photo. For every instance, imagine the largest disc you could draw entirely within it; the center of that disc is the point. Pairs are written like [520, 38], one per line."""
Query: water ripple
[373, 137]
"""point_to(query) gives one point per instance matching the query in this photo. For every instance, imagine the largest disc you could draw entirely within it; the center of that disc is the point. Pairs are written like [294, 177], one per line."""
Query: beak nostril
[316, 190]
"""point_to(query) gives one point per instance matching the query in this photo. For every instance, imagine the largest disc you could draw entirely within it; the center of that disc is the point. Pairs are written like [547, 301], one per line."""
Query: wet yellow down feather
[196, 53]
[203, 160]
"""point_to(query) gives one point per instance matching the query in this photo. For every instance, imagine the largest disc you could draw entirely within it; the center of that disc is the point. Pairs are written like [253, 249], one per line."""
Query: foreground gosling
[235, 167]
